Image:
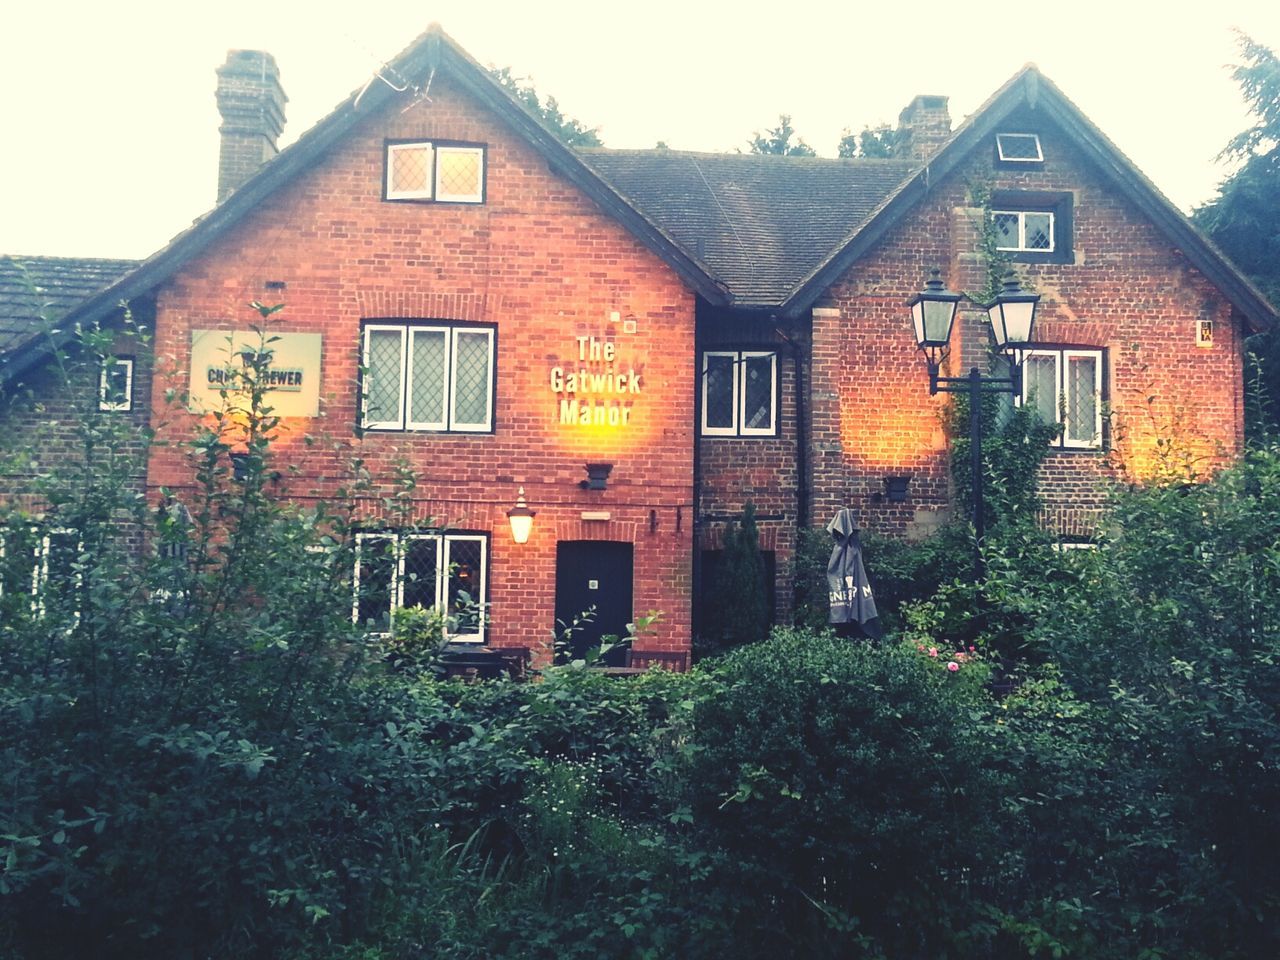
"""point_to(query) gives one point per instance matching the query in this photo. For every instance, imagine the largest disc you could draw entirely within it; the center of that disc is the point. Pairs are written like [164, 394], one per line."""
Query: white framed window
[739, 393]
[440, 172]
[429, 569]
[425, 376]
[1024, 231]
[115, 384]
[1065, 386]
[40, 562]
[1019, 148]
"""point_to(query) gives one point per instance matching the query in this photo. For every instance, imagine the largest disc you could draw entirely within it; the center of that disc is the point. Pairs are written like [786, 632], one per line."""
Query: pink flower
[953, 666]
[933, 651]
[973, 649]
[920, 647]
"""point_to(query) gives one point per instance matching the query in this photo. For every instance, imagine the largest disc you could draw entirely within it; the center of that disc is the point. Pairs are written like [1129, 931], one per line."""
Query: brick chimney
[251, 102]
[925, 125]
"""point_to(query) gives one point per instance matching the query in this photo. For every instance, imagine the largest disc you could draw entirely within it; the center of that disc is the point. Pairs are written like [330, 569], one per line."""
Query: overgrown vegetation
[199, 756]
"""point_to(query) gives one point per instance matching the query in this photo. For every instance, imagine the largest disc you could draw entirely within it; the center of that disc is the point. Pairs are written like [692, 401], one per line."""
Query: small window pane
[375, 566]
[1019, 146]
[1082, 400]
[430, 351]
[466, 585]
[1040, 385]
[718, 402]
[409, 171]
[459, 173]
[17, 561]
[757, 393]
[1039, 230]
[116, 385]
[471, 390]
[1006, 229]
[418, 575]
[383, 388]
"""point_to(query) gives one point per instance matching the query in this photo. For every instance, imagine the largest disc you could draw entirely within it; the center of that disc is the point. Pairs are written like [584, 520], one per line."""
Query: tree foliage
[1244, 218]
[872, 143]
[778, 141]
[571, 131]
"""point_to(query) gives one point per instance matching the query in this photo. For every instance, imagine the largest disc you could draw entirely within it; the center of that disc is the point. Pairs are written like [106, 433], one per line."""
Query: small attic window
[1019, 148]
[432, 171]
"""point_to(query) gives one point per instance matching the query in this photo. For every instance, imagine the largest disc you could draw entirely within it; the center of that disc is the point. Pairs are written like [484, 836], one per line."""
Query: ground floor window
[40, 563]
[711, 598]
[1065, 385]
[422, 568]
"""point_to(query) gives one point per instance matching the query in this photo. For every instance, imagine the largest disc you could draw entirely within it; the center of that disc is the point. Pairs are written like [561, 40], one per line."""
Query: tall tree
[778, 141]
[1244, 218]
[571, 131]
[873, 143]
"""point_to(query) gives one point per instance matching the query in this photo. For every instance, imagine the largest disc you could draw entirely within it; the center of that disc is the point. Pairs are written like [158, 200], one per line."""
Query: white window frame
[433, 191]
[1062, 357]
[1034, 137]
[404, 421]
[127, 403]
[738, 428]
[1022, 230]
[444, 554]
[426, 193]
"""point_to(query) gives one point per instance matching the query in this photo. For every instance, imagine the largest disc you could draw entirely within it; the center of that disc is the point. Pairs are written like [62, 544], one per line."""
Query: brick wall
[1126, 290]
[539, 261]
[42, 419]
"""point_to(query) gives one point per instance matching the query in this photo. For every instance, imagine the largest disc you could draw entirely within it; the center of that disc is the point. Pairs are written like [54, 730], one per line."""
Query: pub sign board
[293, 376]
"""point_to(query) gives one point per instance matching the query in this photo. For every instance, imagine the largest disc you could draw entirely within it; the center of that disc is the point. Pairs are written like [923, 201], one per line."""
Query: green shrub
[847, 785]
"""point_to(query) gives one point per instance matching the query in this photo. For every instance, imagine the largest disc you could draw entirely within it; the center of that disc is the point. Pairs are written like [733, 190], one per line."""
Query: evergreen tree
[739, 609]
[571, 131]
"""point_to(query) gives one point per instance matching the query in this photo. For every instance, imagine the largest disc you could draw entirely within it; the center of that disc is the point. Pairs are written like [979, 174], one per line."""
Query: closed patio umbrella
[848, 588]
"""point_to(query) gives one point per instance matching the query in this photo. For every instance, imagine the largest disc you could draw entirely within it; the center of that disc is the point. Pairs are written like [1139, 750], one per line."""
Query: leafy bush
[847, 788]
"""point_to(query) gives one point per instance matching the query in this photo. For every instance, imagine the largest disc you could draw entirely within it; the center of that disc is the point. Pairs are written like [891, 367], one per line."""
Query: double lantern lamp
[1013, 316]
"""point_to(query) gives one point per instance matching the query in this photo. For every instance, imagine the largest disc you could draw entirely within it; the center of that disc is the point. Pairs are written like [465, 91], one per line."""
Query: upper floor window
[1018, 231]
[428, 376]
[1019, 148]
[1065, 386]
[1033, 226]
[441, 172]
[428, 569]
[115, 384]
[739, 393]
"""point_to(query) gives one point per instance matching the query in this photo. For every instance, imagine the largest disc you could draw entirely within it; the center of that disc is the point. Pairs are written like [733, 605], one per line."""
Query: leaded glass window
[739, 393]
[445, 173]
[422, 568]
[428, 377]
[1065, 387]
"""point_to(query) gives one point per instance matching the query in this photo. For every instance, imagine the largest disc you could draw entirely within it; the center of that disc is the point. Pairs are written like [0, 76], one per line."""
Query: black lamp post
[1012, 315]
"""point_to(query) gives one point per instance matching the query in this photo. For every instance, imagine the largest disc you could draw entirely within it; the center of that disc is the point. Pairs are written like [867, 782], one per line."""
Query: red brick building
[644, 341]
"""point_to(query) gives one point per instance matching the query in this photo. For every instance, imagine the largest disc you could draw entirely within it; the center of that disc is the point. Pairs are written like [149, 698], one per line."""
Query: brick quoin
[538, 260]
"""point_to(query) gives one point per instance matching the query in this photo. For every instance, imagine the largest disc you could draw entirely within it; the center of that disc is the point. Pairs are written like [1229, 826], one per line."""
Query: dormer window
[434, 171]
[1019, 148]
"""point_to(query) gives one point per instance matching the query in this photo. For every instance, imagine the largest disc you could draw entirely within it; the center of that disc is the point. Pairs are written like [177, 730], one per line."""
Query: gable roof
[429, 54]
[35, 291]
[761, 224]
[1029, 88]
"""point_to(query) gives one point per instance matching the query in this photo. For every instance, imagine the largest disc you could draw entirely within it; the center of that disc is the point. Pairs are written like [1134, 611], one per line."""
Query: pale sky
[109, 127]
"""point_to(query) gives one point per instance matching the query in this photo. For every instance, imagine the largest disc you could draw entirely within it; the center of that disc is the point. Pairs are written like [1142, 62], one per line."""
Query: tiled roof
[758, 223]
[34, 290]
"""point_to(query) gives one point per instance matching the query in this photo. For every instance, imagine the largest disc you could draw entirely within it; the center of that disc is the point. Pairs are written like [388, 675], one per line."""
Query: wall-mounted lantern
[597, 476]
[521, 518]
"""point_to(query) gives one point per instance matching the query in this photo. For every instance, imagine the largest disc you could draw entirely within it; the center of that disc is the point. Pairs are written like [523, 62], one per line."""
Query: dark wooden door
[593, 575]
